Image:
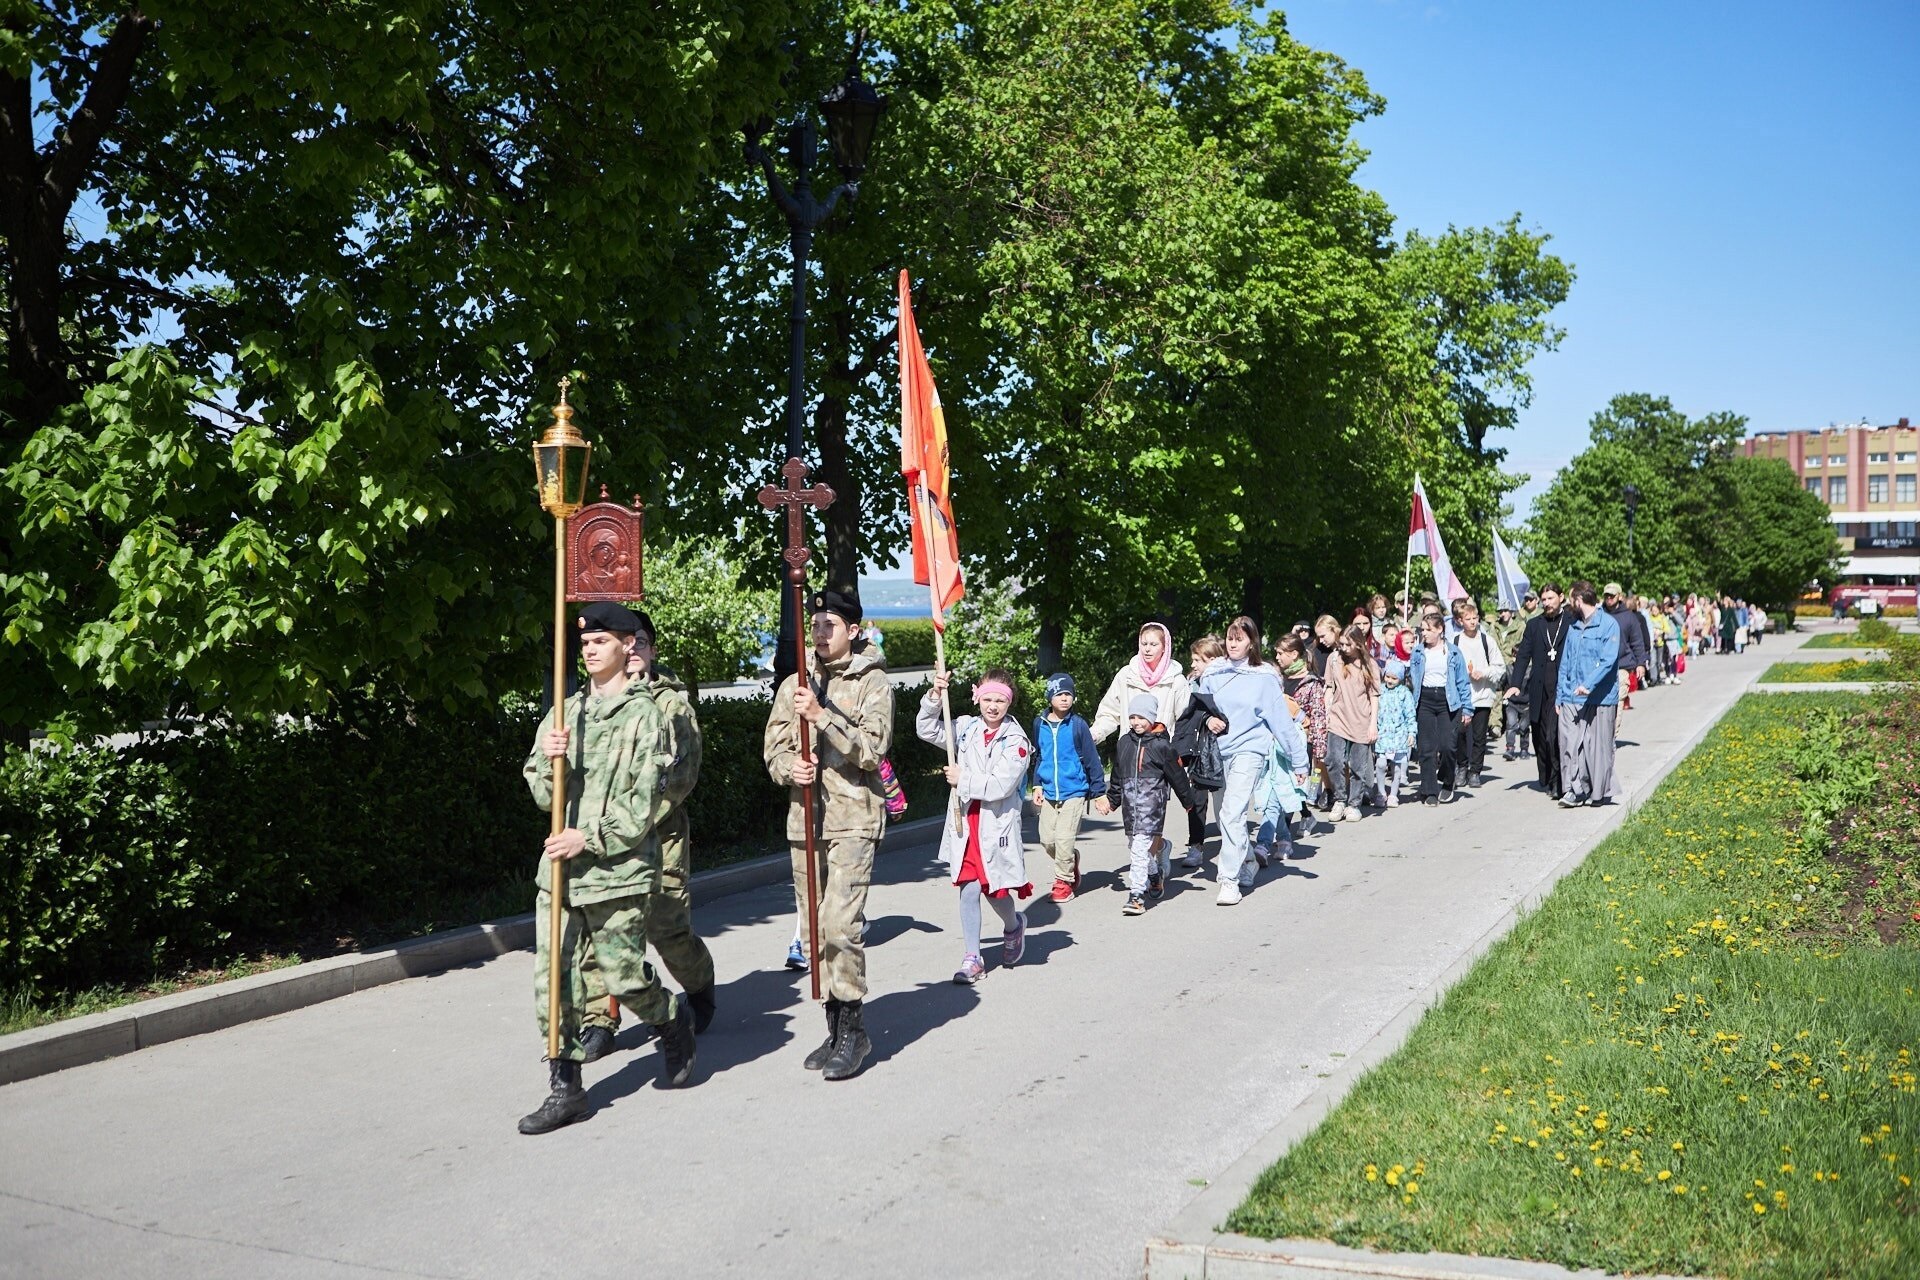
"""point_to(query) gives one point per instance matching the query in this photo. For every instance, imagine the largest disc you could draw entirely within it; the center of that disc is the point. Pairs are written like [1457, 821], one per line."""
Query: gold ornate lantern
[560, 461]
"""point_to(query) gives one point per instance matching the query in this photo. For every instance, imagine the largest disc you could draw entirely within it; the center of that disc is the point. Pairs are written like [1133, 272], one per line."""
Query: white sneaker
[1393, 801]
[1248, 870]
[1353, 813]
[1195, 859]
[1229, 895]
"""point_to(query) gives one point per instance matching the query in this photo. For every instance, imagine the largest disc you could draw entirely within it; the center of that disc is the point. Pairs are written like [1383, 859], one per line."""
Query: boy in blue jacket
[1066, 775]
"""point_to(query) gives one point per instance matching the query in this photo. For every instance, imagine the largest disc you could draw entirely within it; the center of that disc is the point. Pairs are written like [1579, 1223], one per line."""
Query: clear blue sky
[1738, 186]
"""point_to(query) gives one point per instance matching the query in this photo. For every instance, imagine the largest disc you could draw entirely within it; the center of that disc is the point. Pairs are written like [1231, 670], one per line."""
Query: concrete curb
[1830, 686]
[1193, 1246]
[78, 1041]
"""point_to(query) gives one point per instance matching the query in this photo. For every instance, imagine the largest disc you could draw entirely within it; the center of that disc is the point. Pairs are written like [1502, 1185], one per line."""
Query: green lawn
[1844, 640]
[1697, 1056]
[1847, 670]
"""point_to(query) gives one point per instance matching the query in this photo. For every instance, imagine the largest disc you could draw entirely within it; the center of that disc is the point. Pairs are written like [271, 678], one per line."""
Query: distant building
[1869, 477]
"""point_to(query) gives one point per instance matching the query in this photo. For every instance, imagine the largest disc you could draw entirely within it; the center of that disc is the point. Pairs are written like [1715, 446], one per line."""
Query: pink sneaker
[971, 970]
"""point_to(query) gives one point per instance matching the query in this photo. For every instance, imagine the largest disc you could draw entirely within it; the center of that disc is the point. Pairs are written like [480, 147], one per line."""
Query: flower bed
[1698, 1056]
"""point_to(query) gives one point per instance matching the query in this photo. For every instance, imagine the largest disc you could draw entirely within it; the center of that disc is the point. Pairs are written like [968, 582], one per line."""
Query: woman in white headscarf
[1153, 671]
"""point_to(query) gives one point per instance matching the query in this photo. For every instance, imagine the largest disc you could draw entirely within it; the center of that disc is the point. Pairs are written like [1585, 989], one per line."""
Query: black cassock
[1535, 671]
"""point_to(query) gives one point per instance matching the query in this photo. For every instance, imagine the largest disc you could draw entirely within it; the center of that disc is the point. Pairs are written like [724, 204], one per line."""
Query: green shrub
[121, 864]
[1874, 632]
[908, 641]
[118, 862]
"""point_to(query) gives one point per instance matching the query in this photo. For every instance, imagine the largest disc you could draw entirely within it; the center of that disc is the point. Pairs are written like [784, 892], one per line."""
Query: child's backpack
[895, 793]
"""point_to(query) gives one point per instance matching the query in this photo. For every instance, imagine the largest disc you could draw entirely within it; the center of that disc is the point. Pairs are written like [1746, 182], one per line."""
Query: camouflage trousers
[846, 865]
[613, 933]
[669, 926]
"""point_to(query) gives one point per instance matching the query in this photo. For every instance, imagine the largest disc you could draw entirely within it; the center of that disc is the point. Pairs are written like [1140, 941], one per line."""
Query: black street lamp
[1630, 494]
[852, 109]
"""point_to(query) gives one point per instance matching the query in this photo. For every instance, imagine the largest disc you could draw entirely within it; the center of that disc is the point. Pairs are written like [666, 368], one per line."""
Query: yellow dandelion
[1664, 1174]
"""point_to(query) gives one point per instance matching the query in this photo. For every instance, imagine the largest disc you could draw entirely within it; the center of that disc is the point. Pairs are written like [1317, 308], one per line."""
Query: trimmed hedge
[908, 641]
[118, 865]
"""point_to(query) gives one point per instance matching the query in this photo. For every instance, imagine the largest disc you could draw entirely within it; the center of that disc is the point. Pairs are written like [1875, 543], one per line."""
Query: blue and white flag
[1513, 583]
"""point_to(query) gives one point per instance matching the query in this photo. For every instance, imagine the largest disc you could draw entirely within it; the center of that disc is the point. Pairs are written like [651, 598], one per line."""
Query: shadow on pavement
[1042, 945]
[897, 1019]
[753, 1020]
[887, 928]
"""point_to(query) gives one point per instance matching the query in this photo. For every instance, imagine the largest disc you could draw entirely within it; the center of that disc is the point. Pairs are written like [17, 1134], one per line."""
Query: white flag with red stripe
[1423, 539]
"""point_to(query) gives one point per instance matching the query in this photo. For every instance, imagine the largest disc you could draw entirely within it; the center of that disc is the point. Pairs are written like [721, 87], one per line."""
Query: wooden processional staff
[795, 495]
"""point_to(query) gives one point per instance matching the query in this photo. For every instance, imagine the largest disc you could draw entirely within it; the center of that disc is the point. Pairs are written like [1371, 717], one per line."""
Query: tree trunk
[1056, 572]
[37, 192]
[1053, 638]
[1252, 589]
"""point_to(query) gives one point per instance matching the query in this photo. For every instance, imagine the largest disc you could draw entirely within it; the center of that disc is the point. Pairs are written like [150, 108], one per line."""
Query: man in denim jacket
[1587, 700]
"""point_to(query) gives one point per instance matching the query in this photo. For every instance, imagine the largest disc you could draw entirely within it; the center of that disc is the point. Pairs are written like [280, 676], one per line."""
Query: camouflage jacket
[680, 764]
[1507, 634]
[850, 741]
[616, 760]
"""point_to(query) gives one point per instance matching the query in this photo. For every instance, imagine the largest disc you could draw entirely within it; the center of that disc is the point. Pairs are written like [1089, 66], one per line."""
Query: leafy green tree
[1776, 537]
[263, 418]
[1579, 525]
[1708, 518]
[710, 626]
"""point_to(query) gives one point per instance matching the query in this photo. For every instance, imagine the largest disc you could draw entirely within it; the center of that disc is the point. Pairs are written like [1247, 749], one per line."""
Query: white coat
[1486, 665]
[993, 775]
[1172, 695]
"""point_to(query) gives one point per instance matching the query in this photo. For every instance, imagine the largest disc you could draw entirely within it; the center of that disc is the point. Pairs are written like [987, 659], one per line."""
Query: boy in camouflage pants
[613, 742]
[669, 914]
[848, 705]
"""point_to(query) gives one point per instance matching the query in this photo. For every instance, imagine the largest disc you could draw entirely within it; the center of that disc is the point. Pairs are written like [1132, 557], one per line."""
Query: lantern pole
[562, 489]
[852, 110]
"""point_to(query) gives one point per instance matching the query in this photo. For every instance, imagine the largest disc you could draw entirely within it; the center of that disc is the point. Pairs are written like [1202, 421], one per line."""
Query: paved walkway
[1041, 1124]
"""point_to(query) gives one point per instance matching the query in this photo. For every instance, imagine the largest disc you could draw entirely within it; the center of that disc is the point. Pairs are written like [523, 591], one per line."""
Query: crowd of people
[1335, 721]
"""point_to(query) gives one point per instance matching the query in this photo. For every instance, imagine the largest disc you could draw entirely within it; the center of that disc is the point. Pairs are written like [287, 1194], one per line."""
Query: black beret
[604, 615]
[646, 625]
[845, 606]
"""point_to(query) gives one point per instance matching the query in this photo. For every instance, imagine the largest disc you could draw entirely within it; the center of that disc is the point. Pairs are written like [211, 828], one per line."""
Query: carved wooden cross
[794, 494]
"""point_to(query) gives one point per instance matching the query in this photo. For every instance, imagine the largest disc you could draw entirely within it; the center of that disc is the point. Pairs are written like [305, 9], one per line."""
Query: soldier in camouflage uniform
[670, 906]
[1507, 629]
[848, 706]
[614, 742]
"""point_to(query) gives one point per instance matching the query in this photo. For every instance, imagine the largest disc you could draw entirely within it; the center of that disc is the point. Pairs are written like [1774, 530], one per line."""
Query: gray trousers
[1586, 750]
[1350, 765]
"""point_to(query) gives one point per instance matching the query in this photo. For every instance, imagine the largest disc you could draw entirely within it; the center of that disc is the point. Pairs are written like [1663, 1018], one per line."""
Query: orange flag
[923, 461]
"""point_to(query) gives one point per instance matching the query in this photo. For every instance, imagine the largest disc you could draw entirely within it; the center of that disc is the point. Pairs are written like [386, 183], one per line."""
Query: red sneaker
[1062, 890]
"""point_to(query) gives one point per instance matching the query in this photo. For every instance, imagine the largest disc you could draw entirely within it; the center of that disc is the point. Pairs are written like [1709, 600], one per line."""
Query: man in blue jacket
[1587, 700]
[1066, 775]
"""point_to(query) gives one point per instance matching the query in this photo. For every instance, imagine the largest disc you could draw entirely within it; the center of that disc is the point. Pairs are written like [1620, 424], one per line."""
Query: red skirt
[973, 869]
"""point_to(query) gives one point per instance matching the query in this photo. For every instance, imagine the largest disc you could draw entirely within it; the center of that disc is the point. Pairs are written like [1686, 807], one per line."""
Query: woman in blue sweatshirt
[1247, 691]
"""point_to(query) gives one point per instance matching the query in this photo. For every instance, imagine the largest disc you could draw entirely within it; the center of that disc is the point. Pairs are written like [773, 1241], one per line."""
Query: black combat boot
[596, 1042]
[676, 1045]
[566, 1102]
[703, 1007]
[852, 1047]
[817, 1060]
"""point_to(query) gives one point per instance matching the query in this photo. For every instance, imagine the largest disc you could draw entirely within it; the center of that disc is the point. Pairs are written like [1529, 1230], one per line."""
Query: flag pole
[1406, 585]
[934, 612]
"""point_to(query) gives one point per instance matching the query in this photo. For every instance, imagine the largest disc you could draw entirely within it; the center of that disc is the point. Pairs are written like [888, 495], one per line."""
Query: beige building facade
[1869, 477]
